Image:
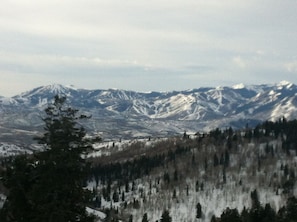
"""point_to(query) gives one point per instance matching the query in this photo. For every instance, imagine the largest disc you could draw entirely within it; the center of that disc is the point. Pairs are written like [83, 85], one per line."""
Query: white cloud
[291, 66]
[239, 62]
[43, 61]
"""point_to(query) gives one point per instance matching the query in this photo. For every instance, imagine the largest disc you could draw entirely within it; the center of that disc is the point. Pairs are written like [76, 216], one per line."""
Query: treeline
[260, 213]
[284, 129]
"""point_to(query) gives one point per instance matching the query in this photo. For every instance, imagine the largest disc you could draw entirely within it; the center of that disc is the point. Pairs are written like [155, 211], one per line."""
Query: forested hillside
[246, 174]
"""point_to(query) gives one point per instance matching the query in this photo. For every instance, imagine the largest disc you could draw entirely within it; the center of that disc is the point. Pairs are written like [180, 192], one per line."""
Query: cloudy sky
[146, 45]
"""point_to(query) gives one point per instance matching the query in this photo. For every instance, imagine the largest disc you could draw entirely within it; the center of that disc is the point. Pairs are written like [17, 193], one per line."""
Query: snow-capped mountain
[121, 113]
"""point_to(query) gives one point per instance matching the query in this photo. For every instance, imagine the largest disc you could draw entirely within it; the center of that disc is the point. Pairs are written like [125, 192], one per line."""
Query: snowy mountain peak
[219, 88]
[39, 97]
[176, 111]
[238, 86]
[284, 83]
[55, 88]
[47, 91]
[7, 101]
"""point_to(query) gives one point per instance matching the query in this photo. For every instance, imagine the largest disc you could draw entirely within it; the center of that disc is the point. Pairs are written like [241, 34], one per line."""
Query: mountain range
[128, 114]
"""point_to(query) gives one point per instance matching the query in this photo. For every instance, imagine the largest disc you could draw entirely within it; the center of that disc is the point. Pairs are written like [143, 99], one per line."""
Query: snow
[2, 200]
[42, 102]
[100, 215]
[219, 88]
[197, 109]
[174, 105]
[271, 93]
[283, 110]
[192, 106]
[285, 83]
[216, 195]
[55, 88]
[7, 101]
[72, 87]
[7, 149]
[239, 86]
[214, 198]
[106, 148]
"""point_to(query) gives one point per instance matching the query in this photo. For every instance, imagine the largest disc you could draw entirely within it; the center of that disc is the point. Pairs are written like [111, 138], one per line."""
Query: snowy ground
[99, 215]
[216, 196]
[106, 148]
[2, 199]
[8, 149]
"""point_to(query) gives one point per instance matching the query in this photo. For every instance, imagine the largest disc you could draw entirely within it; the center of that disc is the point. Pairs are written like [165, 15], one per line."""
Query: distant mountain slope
[121, 113]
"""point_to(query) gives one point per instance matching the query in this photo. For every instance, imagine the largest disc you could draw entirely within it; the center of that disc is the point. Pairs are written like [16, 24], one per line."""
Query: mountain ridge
[126, 113]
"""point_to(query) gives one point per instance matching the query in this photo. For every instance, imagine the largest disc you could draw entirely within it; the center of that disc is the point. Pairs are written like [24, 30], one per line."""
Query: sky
[141, 45]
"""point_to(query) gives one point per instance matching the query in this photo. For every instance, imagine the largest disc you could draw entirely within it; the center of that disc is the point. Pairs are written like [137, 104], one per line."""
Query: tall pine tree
[53, 189]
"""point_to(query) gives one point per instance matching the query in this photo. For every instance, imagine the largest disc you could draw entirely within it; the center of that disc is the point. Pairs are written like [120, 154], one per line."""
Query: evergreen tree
[255, 200]
[144, 218]
[53, 190]
[222, 159]
[197, 186]
[198, 211]
[230, 215]
[115, 197]
[174, 193]
[245, 215]
[193, 159]
[175, 175]
[291, 209]
[257, 211]
[205, 164]
[215, 160]
[166, 216]
[202, 186]
[98, 202]
[127, 188]
[166, 177]
[213, 219]
[227, 159]
[269, 214]
[224, 175]
[18, 178]
[131, 218]
[123, 196]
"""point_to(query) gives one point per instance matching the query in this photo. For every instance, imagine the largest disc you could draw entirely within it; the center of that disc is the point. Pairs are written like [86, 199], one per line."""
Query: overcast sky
[146, 45]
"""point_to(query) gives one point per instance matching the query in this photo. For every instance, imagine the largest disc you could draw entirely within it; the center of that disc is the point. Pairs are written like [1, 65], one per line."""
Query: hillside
[218, 170]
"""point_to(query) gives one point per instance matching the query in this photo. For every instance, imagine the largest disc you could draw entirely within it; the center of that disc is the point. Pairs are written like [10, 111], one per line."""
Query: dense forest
[221, 175]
